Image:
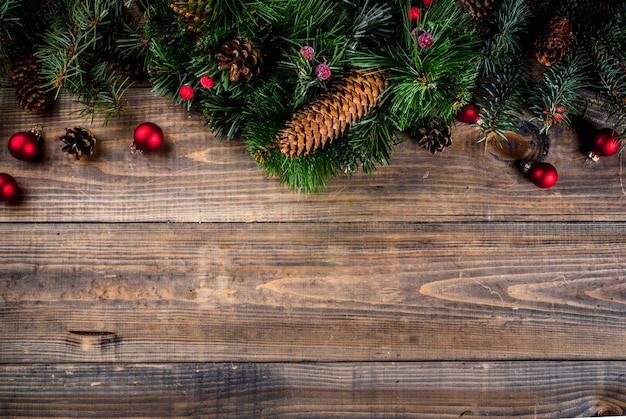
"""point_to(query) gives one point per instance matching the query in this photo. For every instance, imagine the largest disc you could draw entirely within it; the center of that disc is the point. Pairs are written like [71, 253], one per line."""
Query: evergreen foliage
[293, 53]
[76, 44]
[511, 88]
[9, 25]
[559, 88]
[375, 36]
[609, 55]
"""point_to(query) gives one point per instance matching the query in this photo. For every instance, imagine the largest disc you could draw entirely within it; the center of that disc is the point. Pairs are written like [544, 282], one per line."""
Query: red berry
[8, 187]
[427, 3]
[322, 71]
[186, 92]
[24, 145]
[543, 175]
[415, 13]
[425, 40]
[307, 52]
[207, 82]
[559, 114]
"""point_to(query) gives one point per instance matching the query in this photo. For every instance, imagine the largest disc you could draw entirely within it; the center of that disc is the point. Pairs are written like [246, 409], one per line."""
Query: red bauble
[469, 114]
[8, 187]
[605, 142]
[427, 3]
[543, 175]
[24, 145]
[148, 136]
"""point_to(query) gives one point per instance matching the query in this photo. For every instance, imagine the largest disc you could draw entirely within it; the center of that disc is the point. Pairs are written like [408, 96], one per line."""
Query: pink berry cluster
[424, 39]
[322, 70]
[187, 91]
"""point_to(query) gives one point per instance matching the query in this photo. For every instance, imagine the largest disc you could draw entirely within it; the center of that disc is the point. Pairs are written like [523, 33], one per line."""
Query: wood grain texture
[195, 177]
[422, 390]
[183, 283]
[312, 291]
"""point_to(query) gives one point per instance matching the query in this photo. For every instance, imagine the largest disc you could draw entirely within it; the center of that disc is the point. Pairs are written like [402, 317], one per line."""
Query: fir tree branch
[372, 25]
[609, 56]
[9, 24]
[427, 81]
[554, 99]
[511, 22]
[77, 55]
[373, 140]
[501, 104]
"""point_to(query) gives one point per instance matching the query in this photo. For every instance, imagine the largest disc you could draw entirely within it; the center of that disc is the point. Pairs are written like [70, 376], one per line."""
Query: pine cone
[327, 118]
[195, 14]
[479, 8]
[433, 137]
[555, 41]
[241, 58]
[28, 86]
[79, 141]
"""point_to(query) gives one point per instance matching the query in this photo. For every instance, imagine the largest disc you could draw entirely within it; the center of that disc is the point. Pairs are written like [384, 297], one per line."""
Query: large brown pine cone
[241, 58]
[28, 85]
[328, 118]
[553, 44]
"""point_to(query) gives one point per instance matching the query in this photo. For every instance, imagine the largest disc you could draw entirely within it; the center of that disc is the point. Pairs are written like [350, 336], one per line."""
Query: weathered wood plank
[311, 291]
[197, 178]
[434, 389]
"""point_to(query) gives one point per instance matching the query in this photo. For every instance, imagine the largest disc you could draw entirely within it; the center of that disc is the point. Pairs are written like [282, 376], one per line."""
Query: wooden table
[183, 282]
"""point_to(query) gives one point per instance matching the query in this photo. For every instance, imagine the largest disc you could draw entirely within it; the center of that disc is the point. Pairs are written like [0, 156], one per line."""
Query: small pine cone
[433, 137]
[79, 141]
[555, 42]
[241, 58]
[195, 14]
[329, 117]
[28, 86]
[479, 8]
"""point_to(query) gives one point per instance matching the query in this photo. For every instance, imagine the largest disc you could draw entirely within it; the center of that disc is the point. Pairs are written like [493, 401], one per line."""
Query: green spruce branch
[610, 63]
[427, 82]
[502, 103]
[557, 96]
[79, 55]
[511, 22]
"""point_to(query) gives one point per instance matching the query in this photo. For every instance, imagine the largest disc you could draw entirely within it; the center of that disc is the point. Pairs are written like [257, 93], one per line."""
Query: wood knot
[91, 340]
[606, 408]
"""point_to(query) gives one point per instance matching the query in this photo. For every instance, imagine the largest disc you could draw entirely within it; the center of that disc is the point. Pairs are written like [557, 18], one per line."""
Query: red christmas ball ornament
[427, 3]
[605, 143]
[25, 145]
[415, 13]
[543, 175]
[148, 136]
[469, 114]
[8, 187]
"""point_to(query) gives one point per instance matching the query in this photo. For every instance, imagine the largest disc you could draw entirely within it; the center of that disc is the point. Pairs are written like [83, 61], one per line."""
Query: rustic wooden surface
[183, 282]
